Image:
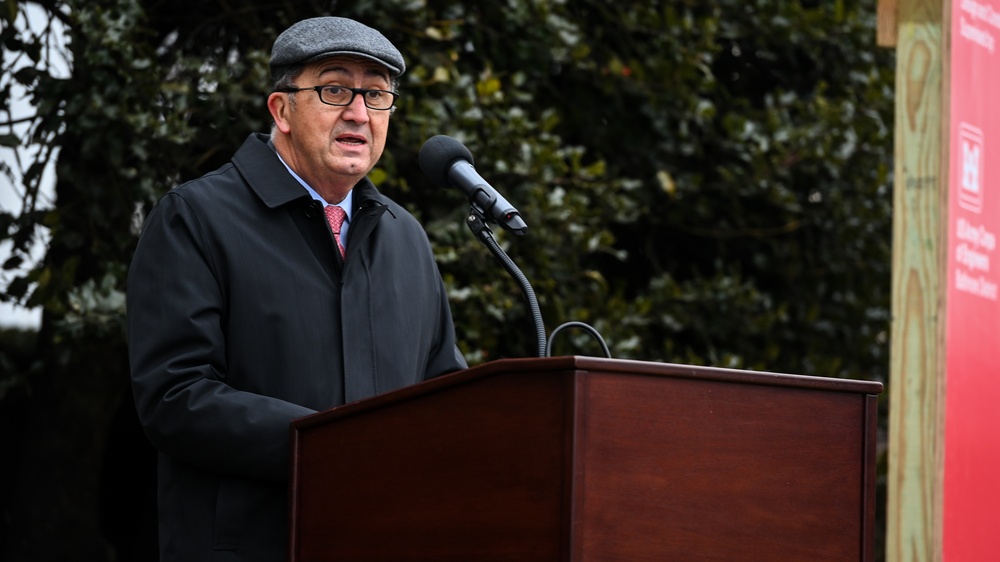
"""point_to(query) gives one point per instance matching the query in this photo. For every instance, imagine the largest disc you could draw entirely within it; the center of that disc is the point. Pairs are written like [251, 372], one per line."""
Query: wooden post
[916, 384]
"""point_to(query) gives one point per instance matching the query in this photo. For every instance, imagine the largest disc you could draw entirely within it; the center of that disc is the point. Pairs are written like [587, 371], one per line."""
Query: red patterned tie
[335, 216]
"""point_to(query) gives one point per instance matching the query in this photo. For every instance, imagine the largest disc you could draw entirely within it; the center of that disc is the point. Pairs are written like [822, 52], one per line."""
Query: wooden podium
[585, 459]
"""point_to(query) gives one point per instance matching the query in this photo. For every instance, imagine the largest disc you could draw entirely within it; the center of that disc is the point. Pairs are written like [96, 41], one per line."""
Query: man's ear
[280, 105]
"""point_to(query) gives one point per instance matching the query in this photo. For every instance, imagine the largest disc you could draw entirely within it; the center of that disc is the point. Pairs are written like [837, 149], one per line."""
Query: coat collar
[263, 171]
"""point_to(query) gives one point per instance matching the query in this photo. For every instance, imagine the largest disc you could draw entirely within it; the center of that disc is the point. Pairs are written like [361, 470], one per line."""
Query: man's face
[334, 146]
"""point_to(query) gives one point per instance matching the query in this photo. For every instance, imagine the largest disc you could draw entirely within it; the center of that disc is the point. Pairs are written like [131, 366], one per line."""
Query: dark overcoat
[243, 316]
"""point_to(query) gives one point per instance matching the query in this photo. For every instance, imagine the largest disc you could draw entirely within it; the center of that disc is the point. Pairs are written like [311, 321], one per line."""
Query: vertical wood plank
[916, 399]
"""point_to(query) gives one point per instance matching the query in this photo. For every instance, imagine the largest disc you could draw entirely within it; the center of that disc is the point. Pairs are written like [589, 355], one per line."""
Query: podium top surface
[581, 364]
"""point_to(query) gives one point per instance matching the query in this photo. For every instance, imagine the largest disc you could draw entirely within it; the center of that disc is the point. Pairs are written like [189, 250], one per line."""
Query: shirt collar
[347, 204]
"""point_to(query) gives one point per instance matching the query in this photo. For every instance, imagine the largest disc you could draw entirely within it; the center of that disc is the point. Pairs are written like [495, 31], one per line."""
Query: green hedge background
[704, 183]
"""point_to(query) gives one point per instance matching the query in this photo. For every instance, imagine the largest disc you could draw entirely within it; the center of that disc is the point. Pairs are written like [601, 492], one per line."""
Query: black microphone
[448, 163]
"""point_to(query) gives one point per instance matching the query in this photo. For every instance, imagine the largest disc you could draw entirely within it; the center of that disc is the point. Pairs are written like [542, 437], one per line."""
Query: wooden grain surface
[919, 213]
[582, 459]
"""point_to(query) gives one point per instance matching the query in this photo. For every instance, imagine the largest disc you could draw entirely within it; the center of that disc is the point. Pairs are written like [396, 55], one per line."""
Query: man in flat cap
[277, 286]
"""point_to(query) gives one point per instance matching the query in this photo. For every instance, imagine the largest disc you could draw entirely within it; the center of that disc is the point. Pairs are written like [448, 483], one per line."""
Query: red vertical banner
[972, 341]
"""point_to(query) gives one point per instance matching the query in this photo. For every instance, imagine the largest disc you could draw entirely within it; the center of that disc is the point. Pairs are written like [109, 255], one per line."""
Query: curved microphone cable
[585, 327]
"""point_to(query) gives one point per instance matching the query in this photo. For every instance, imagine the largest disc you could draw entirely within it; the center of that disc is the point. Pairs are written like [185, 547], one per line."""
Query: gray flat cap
[317, 38]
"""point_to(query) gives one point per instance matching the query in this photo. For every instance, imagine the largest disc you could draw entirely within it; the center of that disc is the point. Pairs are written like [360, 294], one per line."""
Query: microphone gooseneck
[448, 163]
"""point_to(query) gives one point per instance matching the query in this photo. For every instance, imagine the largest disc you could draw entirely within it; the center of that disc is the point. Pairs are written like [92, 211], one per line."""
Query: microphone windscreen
[437, 156]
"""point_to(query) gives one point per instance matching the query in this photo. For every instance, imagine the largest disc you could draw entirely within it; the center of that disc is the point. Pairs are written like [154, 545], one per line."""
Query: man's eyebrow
[369, 71]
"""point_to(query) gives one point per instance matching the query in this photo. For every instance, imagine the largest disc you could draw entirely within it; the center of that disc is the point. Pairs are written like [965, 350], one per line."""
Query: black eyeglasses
[342, 95]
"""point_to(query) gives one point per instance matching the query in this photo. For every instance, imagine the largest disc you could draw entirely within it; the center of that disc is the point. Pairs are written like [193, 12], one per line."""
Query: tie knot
[335, 216]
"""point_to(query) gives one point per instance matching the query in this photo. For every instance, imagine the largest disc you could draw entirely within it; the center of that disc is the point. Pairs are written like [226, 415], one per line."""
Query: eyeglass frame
[354, 93]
